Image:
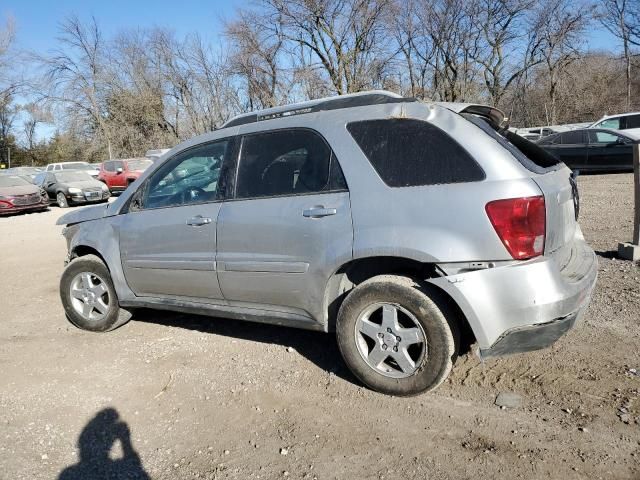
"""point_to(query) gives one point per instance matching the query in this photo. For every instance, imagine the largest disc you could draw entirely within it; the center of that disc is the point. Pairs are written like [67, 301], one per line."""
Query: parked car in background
[119, 174]
[625, 121]
[398, 224]
[83, 166]
[18, 195]
[25, 172]
[155, 154]
[592, 149]
[72, 187]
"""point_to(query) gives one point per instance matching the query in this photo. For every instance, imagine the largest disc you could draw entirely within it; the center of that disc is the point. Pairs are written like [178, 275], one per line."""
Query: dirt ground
[178, 396]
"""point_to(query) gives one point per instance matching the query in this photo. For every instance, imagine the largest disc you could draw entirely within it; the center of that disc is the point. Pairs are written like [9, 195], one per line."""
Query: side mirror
[119, 170]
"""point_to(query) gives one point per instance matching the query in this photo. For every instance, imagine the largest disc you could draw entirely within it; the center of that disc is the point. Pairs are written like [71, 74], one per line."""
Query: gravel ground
[180, 396]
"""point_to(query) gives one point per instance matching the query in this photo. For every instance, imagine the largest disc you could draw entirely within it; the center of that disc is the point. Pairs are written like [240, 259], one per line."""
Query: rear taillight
[521, 225]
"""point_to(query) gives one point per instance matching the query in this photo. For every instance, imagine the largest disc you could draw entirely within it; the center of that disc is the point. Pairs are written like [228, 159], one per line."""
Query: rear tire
[370, 327]
[88, 296]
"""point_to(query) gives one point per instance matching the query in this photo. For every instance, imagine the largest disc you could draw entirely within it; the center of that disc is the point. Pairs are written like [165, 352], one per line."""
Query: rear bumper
[525, 306]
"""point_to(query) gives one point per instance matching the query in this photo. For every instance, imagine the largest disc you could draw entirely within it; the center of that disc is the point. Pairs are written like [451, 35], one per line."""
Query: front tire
[396, 337]
[61, 200]
[88, 296]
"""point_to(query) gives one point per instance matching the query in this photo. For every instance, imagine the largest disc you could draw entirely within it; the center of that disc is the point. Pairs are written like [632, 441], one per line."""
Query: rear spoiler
[495, 116]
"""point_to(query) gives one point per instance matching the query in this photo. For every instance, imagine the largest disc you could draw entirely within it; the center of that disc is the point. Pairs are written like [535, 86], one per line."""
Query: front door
[609, 152]
[288, 227]
[168, 238]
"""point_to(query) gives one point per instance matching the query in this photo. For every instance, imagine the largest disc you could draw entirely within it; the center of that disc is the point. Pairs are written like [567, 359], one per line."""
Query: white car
[630, 122]
[84, 166]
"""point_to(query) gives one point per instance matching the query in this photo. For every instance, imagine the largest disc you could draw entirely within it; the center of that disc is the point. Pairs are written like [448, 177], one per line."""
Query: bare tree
[507, 48]
[75, 76]
[345, 38]
[622, 19]
[256, 58]
[560, 26]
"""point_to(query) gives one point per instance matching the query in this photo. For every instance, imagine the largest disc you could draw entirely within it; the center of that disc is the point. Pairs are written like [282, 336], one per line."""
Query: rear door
[572, 149]
[168, 238]
[609, 151]
[289, 225]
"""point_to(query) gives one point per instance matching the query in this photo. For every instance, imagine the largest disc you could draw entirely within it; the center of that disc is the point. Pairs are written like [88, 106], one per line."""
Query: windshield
[77, 166]
[69, 177]
[12, 181]
[139, 164]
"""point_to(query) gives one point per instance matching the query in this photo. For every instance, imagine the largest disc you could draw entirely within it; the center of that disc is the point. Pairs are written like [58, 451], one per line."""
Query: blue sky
[37, 21]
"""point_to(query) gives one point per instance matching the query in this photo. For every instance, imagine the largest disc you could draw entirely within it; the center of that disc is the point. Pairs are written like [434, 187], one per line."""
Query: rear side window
[409, 153]
[572, 137]
[633, 121]
[286, 162]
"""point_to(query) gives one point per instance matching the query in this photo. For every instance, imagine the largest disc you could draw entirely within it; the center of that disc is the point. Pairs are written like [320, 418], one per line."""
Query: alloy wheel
[89, 296]
[390, 340]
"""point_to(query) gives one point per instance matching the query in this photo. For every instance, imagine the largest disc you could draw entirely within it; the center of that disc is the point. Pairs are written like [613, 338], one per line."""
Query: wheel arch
[83, 250]
[356, 271]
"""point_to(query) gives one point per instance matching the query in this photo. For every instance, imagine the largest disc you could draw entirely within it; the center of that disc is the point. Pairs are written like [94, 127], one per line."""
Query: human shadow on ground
[320, 348]
[96, 442]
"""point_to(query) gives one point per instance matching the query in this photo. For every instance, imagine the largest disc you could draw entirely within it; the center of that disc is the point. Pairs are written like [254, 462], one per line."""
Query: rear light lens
[521, 225]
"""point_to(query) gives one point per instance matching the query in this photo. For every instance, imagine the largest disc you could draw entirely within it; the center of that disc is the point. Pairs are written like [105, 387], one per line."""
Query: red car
[18, 195]
[119, 174]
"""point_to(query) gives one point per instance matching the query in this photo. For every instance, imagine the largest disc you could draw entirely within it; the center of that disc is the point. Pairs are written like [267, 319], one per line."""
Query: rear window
[409, 153]
[530, 155]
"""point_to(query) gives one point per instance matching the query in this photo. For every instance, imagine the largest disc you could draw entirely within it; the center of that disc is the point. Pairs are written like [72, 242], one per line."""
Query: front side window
[603, 138]
[613, 123]
[408, 152]
[189, 178]
[286, 162]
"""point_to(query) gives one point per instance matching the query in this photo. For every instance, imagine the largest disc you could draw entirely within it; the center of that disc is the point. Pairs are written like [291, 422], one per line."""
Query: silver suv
[407, 228]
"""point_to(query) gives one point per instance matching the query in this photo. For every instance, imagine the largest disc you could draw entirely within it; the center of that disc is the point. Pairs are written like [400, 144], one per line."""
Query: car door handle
[319, 211]
[198, 221]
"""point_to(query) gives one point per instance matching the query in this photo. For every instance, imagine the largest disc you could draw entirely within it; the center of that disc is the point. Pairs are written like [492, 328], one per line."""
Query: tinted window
[530, 155]
[108, 167]
[633, 121]
[286, 162]
[189, 178]
[408, 153]
[603, 137]
[572, 137]
[118, 164]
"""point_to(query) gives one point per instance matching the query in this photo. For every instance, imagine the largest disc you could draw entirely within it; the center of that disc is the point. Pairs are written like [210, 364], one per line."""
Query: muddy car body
[399, 224]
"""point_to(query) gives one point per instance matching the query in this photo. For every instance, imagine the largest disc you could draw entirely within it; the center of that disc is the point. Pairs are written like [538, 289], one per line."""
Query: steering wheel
[193, 194]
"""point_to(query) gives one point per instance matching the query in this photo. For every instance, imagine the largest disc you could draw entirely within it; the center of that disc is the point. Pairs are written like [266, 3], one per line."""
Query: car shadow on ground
[320, 348]
[96, 442]
[607, 254]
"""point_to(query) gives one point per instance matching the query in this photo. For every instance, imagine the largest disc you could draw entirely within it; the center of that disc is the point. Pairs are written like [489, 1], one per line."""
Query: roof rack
[375, 97]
